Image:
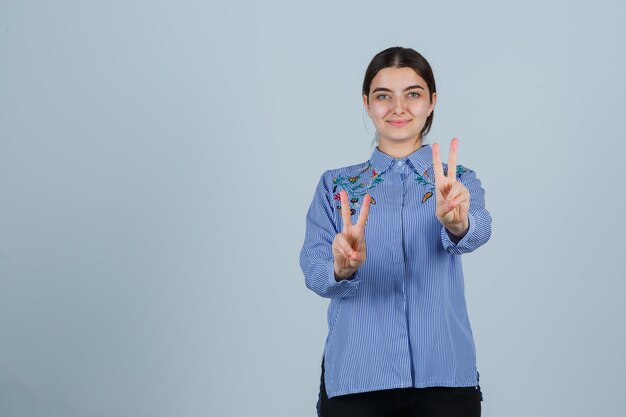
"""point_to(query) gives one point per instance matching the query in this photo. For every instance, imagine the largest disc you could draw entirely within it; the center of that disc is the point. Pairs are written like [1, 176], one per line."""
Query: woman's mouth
[398, 123]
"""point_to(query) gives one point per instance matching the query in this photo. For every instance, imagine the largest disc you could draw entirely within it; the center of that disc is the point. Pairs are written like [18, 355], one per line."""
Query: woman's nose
[399, 105]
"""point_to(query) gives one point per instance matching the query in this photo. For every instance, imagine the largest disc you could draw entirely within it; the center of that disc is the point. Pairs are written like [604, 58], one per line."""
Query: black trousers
[402, 402]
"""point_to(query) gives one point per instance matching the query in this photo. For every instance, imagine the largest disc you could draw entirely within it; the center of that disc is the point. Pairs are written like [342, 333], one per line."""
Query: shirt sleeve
[479, 230]
[316, 257]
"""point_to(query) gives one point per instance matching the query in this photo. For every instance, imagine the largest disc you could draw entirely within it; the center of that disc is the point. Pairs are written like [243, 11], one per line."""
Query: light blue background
[157, 160]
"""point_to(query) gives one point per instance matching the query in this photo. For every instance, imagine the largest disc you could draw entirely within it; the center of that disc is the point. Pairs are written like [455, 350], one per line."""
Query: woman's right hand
[349, 245]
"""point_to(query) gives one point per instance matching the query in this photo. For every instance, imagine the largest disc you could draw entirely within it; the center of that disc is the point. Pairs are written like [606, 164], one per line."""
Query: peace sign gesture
[349, 245]
[452, 198]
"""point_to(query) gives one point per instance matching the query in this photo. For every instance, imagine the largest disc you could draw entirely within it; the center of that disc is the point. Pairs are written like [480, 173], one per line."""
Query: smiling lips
[398, 123]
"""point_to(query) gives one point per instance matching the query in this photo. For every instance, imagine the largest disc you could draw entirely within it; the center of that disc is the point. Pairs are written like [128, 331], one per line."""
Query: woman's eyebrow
[411, 87]
[414, 86]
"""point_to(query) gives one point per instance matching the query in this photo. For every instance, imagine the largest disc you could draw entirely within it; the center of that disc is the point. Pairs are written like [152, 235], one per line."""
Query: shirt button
[400, 163]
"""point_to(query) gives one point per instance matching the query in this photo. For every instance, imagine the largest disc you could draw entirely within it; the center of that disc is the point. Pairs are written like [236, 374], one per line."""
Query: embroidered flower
[425, 180]
[460, 170]
[352, 211]
[357, 189]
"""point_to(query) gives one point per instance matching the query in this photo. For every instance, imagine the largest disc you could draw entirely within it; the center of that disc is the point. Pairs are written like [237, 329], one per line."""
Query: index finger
[365, 209]
[452, 159]
[345, 209]
[437, 163]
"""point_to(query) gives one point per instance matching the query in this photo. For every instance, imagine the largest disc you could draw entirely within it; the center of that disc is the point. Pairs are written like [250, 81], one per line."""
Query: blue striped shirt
[401, 319]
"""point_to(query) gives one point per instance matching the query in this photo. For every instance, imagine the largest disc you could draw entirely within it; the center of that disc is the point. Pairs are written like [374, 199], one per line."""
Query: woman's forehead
[397, 78]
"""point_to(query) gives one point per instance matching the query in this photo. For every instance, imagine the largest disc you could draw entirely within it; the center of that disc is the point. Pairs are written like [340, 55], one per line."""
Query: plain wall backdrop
[157, 159]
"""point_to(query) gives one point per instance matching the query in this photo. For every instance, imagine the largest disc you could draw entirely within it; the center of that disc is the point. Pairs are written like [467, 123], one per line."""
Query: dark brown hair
[398, 57]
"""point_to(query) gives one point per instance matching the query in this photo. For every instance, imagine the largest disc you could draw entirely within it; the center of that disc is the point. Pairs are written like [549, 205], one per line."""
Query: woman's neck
[399, 149]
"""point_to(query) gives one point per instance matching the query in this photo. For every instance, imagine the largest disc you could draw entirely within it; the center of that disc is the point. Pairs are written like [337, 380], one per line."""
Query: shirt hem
[406, 385]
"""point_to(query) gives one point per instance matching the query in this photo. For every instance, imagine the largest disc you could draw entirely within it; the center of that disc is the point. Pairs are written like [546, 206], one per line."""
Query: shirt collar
[419, 160]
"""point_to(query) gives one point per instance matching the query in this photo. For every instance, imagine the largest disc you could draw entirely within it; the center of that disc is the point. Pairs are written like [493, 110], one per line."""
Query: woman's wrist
[458, 230]
[343, 273]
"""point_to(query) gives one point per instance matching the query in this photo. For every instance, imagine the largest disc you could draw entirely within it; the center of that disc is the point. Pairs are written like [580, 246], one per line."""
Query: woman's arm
[460, 205]
[479, 220]
[329, 258]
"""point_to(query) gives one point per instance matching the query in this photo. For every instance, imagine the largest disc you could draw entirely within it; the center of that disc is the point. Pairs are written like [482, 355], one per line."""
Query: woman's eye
[414, 94]
[382, 96]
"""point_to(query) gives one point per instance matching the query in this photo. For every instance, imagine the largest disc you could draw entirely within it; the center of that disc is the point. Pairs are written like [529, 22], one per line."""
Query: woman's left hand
[452, 198]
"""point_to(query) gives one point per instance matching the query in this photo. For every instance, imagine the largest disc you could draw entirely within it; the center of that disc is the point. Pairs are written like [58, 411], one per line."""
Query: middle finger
[452, 159]
[345, 209]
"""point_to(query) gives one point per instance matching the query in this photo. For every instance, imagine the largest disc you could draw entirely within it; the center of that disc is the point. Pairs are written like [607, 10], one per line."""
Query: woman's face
[399, 103]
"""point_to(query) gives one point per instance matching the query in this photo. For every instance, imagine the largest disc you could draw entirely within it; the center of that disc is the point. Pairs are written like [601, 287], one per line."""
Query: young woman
[399, 339]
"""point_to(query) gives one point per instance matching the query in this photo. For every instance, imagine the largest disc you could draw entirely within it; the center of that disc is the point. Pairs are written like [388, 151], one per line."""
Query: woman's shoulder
[331, 176]
[348, 170]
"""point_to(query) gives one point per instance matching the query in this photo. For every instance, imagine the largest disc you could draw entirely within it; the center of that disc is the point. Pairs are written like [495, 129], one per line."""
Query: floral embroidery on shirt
[357, 186]
[425, 180]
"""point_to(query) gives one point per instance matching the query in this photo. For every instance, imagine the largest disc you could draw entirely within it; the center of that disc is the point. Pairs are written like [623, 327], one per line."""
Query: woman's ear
[366, 104]
[433, 101]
